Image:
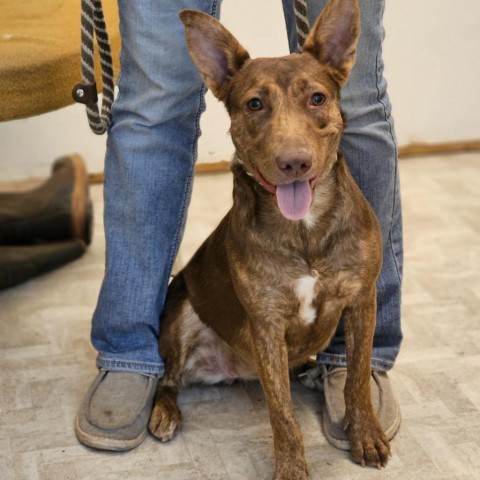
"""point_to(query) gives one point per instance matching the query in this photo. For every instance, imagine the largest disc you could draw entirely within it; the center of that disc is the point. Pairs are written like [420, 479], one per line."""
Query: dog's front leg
[368, 441]
[271, 358]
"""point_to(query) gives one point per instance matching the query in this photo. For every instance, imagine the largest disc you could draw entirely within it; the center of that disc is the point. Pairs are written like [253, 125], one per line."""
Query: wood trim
[95, 178]
[412, 150]
[213, 167]
[418, 149]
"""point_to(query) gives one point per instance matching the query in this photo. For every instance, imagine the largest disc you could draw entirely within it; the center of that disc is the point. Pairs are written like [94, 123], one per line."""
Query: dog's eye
[317, 99]
[255, 104]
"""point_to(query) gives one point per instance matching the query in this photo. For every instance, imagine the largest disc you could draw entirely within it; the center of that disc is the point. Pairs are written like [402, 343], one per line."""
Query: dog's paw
[369, 445]
[291, 476]
[165, 420]
[292, 471]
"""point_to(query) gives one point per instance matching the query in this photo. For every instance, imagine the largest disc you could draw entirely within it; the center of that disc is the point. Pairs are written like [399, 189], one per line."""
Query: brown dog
[299, 248]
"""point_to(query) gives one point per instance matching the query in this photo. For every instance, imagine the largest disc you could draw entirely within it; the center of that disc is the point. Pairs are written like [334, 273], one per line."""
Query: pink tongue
[294, 199]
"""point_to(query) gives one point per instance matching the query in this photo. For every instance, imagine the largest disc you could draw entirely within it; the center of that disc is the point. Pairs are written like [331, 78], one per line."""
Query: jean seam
[188, 183]
[341, 360]
[390, 126]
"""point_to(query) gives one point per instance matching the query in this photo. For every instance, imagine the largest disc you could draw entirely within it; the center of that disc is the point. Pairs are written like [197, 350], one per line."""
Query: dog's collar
[238, 161]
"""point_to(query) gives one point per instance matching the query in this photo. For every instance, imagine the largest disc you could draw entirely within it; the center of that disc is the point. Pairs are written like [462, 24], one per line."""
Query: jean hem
[341, 361]
[130, 366]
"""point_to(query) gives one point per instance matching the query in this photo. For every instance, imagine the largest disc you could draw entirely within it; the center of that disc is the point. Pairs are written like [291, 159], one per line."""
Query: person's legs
[149, 165]
[369, 146]
[370, 149]
[151, 150]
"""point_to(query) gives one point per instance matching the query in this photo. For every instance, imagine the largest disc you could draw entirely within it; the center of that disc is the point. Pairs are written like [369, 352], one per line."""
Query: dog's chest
[305, 288]
[317, 294]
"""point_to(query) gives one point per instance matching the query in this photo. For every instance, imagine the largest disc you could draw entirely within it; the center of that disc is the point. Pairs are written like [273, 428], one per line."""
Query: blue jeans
[370, 149]
[151, 151]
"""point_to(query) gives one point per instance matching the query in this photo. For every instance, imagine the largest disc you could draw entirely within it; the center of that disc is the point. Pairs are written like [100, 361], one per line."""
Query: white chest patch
[309, 220]
[305, 290]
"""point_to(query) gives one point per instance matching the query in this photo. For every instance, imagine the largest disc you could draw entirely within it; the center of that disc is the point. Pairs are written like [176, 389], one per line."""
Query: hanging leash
[301, 21]
[93, 26]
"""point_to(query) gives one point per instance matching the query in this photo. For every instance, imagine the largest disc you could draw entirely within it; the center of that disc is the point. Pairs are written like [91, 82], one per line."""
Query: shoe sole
[105, 443]
[345, 444]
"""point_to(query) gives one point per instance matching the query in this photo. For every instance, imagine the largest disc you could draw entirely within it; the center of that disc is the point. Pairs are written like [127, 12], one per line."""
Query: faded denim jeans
[151, 152]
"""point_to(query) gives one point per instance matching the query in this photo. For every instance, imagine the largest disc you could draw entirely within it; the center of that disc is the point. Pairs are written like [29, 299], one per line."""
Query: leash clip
[85, 93]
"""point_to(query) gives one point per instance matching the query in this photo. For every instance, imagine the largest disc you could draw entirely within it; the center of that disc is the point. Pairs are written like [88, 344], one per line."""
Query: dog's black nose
[295, 163]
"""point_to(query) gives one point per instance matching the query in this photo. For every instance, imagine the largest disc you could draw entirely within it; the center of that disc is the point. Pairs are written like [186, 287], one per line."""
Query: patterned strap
[93, 25]
[300, 7]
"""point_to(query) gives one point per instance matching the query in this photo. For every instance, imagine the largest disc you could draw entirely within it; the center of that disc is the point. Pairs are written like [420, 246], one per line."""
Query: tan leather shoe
[383, 401]
[116, 410]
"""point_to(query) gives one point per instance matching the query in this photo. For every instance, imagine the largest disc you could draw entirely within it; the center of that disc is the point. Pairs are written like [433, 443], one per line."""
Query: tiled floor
[47, 362]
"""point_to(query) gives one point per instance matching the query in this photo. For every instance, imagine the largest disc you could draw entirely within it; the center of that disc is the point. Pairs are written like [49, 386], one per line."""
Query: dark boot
[59, 209]
[20, 263]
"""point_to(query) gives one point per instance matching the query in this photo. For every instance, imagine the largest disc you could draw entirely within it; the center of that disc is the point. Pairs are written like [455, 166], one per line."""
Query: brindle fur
[234, 311]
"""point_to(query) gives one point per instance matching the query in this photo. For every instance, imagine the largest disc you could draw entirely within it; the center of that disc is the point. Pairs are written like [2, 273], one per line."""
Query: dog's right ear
[214, 50]
[334, 37]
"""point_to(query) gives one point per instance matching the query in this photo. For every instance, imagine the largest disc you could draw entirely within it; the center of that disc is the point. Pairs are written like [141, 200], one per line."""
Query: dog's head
[285, 113]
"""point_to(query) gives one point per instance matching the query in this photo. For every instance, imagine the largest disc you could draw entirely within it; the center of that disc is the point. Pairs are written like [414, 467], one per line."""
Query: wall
[433, 68]
[432, 65]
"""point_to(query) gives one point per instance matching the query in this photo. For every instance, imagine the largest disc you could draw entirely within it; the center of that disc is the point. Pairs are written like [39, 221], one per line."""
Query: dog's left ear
[333, 38]
[214, 50]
